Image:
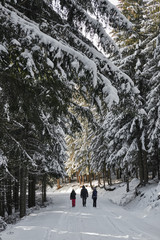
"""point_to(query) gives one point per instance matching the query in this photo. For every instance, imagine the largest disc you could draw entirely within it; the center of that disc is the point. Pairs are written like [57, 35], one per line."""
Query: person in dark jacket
[73, 198]
[84, 195]
[94, 197]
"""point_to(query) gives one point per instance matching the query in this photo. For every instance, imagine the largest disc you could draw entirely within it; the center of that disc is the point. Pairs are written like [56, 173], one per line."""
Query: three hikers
[84, 196]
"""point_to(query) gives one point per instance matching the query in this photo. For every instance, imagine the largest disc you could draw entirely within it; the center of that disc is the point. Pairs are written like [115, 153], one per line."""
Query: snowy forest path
[60, 221]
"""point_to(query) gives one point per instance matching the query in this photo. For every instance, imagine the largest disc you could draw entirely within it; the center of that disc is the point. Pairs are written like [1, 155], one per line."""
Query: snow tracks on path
[62, 222]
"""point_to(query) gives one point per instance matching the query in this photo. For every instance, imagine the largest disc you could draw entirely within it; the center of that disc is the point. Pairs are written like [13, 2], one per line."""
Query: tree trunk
[77, 175]
[16, 190]
[140, 163]
[140, 154]
[109, 178]
[23, 176]
[127, 178]
[104, 175]
[99, 179]
[2, 200]
[118, 173]
[9, 196]
[90, 180]
[58, 183]
[31, 190]
[158, 163]
[69, 179]
[80, 180]
[157, 149]
[136, 170]
[145, 167]
[44, 198]
[83, 179]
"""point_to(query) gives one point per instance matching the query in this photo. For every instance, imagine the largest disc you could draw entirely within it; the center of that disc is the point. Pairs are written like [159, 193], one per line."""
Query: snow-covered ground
[113, 219]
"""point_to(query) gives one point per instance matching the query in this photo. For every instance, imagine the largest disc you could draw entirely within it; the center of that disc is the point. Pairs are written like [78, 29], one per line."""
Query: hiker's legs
[73, 202]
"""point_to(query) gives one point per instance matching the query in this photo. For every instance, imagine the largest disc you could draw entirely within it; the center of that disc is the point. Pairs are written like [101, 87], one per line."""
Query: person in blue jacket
[94, 197]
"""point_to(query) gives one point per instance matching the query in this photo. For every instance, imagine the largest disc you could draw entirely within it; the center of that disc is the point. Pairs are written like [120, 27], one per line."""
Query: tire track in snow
[66, 225]
[124, 222]
[62, 222]
[47, 235]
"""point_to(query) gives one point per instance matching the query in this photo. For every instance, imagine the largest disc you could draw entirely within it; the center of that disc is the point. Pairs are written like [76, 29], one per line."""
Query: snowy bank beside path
[145, 206]
[59, 221]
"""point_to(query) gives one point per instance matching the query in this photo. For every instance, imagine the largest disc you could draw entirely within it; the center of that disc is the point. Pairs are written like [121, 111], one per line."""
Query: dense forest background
[75, 100]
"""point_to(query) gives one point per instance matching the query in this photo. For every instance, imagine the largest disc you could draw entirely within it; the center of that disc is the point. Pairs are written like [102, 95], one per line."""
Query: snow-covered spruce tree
[136, 49]
[78, 144]
[150, 29]
[74, 16]
[99, 151]
[153, 109]
[34, 62]
[44, 57]
[51, 157]
[114, 144]
[151, 73]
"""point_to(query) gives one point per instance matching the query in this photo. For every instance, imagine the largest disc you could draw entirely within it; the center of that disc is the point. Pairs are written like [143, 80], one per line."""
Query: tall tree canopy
[45, 57]
[139, 62]
[51, 51]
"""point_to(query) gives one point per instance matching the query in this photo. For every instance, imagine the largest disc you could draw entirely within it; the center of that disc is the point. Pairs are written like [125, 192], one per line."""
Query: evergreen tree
[136, 49]
[44, 60]
[153, 109]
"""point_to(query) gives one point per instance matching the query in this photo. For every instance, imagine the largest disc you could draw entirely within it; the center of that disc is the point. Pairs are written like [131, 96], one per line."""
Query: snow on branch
[91, 19]
[66, 59]
[3, 159]
[23, 150]
[109, 92]
[112, 14]
[104, 67]
[93, 26]
[33, 33]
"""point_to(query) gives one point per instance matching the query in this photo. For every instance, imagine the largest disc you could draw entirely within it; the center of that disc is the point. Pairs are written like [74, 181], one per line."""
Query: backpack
[94, 195]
